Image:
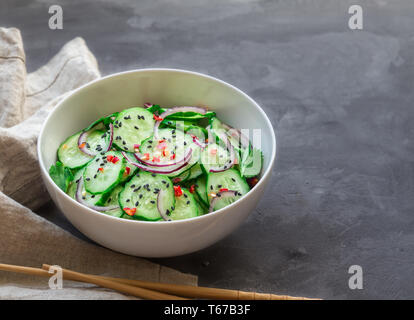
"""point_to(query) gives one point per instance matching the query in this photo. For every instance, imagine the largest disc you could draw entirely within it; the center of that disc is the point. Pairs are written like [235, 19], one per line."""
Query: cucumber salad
[150, 163]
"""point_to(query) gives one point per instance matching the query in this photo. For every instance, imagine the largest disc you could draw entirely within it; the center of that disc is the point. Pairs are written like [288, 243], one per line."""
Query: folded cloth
[25, 237]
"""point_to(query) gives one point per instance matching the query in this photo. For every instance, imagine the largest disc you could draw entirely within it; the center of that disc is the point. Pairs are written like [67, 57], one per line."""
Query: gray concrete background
[341, 102]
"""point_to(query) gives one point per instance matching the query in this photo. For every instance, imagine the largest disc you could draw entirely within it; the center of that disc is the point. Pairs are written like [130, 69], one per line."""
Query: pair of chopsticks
[150, 290]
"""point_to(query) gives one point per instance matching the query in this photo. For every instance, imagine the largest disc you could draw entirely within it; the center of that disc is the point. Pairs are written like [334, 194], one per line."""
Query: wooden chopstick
[105, 283]
[193, 291]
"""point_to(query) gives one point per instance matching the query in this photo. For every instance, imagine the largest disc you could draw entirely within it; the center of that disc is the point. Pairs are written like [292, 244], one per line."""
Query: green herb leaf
[61, 175]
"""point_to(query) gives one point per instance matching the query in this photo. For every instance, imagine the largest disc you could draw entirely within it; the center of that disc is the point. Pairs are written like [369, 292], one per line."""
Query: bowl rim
[69, 94]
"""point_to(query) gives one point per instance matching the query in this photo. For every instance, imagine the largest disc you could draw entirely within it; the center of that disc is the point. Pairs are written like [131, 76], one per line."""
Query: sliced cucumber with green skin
[92, 199]
[132, 171]
[102, 175]
[131, 127]
[141, 193]
[183, 177]
[252, 164]
[202, 207]
[111, 200]
[195, 171]
[201, 188]
[223, 132]
[230, 180]
[70, 155]
[97, 141]
[212, 156]
[185, 206]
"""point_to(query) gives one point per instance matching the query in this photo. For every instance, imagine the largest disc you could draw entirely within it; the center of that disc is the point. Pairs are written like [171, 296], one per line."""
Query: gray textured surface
[341, 102]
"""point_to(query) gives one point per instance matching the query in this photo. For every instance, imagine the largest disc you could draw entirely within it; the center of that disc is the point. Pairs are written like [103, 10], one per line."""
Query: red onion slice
[173, 110]
[157, 169]
[82, 144]
[164, 212]
[138, 156]
[84, 136]
[79, 198]
[221, 195]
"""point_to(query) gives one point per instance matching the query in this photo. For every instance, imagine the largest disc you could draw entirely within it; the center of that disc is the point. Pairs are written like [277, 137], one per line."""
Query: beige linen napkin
[26, 238]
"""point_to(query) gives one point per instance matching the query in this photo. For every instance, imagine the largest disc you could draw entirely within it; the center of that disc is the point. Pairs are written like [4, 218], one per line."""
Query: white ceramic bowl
[167, 87]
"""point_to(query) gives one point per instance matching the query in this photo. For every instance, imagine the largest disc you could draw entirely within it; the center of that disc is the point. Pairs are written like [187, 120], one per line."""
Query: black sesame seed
[153, 174]
[87, 179]
[211, 187]
[185, 196]
[133, 186]
[140, 196]
[152, 201]
[188, 202]
[124, 142]
[128, 200]
[218, 195]
[84, 198]
[93, 196]
[219, 186]
[109, 200]
[136, 128]
[234, 180]
[164, 182]
[95, 176]
[167, 212]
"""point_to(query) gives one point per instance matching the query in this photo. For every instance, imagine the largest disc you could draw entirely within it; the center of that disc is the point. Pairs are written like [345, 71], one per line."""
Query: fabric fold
[25, 237]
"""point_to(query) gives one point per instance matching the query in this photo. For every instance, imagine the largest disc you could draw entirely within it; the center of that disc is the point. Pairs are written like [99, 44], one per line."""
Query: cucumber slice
[113, 200]
[229, 179]
[141, 192]
[202, 207]
[131, 127]
[214, 155]
[252, 164]
[182, 177]
[195, 171]
[201, 188]
[102, 175]
[128, 173]
[70, 155]
[185, 206]
[88, 197]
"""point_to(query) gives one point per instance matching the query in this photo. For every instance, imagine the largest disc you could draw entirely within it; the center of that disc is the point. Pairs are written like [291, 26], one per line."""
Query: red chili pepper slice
[110, 158]
[157, 118]
[173, 156]
[177, 191]
[101, 169]
[156, 159]
[130, 211]
[146, 156]
[127, 170]
[192, 188]
[115, 160]
[223, 189]
[82, 145]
